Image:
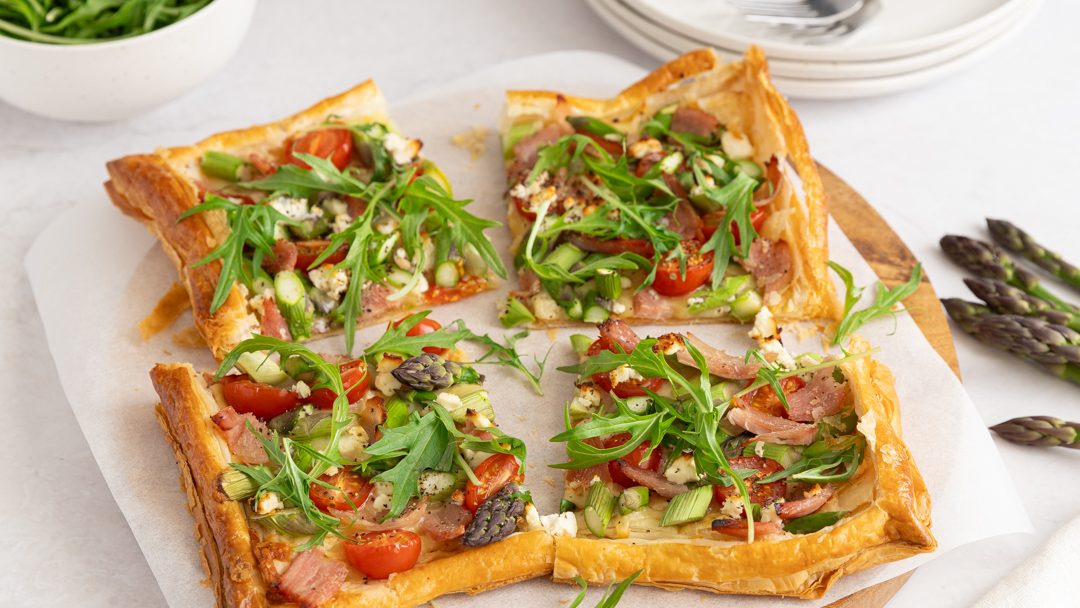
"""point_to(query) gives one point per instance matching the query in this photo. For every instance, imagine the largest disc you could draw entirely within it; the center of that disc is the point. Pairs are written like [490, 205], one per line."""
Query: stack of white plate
[904, 44]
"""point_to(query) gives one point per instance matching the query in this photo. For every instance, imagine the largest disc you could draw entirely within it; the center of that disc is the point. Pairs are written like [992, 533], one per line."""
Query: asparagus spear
[1055, 348]
[1003, 298]
[1017, 241]
[989, 261]
[1040, 431]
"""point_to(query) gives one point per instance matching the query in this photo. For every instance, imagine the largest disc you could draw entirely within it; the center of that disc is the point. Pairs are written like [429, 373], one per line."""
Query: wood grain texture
[893, 262]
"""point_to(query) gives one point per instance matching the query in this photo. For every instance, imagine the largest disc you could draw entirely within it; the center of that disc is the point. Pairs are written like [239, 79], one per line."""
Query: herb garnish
[507, 355]
[884, 300]
[611, 597]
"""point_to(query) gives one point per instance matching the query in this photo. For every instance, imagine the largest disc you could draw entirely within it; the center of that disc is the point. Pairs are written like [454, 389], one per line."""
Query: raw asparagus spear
[1003, 298]
[1040, 431]
[1009, 236]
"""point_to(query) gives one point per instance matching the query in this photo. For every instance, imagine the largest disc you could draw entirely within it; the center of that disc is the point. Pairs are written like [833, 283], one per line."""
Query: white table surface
[996, 140]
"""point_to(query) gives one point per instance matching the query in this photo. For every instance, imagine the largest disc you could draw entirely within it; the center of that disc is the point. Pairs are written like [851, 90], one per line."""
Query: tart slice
[331, 481]
[763, 474]
[690, 196]
[325, 221]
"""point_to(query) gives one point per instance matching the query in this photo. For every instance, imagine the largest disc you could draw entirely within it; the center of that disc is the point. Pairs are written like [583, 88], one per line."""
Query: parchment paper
[95, 274]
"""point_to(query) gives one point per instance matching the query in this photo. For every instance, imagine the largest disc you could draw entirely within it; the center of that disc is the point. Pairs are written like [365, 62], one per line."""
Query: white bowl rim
[111, 44]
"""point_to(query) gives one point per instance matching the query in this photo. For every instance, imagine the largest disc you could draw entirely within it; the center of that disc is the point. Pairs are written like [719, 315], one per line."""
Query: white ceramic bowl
[106, 81]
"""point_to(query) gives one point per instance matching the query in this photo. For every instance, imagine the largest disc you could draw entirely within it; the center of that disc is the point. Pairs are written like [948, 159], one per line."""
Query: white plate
[807, 88]
[901, 28]
[807, 69]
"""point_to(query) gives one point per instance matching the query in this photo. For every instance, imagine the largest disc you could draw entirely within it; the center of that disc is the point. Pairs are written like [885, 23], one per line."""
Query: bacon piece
[526, 148]
[767, 191]
[368, 520]
[719, 362]
[284, 257]
[687, 222]
[619, 332]
[273, 324]
[589, 242]
[373, 299]
[653, 480]
[312, 578]
[528, 282]
[804, 506]
[242, 442]
[372, 414]
[822, 396]
[770, 263]
[772, 429]
[447, 522]
[650, 305]
[584, 477]
[738, 527]
[693, 120]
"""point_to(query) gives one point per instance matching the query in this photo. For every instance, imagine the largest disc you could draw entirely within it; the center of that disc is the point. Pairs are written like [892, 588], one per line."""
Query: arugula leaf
[323, 176]
[884, 300]
[768, 373]
[249, 226]
[737, 198]
[423, 443]
[508, 355]
[395, 341]
[813, 522]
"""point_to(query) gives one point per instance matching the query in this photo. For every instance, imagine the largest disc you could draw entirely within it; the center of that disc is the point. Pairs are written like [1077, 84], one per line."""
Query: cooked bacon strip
[373, 299]
[528, 283]
[273, 324]
[770, 263]
[693, 120]
[372, 413]
[526, 148]
[620, 332]
[772, 429]
[447, 522]
[685, 221]
[822, 396]
[242, 442]
[312, 578]
[805, 506]
[650, 305]
[284, 258]
[588, 242]
[738, 527]
[719, 362]
[651, 479]
[369, 517]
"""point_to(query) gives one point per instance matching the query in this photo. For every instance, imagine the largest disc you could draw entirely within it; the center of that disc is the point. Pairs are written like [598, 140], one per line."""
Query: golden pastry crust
[226, 539]
[743, 98]
[891, 523]
[156, 189]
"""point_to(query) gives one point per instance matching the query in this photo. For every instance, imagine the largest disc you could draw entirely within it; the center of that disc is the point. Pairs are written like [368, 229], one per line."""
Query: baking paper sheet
[96, 273]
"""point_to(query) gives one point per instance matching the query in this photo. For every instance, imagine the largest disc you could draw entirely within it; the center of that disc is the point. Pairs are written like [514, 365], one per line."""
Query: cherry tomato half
[350, 487]
[353, 374]
[669, 279]
[635, 457]
[766, 400]
[263, 400]
[309, 251]
[627, 388]
[523, 208]
[335, 144]
[425, 326]
[760, 494]
[379, 554]
[712, 220]
[493, 474]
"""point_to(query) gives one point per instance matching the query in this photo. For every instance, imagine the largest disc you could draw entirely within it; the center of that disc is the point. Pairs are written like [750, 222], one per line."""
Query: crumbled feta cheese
[544, 197]
[587, 399]
[525, 192]
[321, 325]
[617, 308]
[401, 258]
[669, 344]
[381, 495]
[478, 420]
[574, 209]
[545, 308]
[335, 206]
[302, 389]
[560, 524]
[732, 507]
[329, 280]
[644, 147]
[764, 325]
[682, 469]
[332, 471]
[385, 382]
[268, 503]
[386, 225]
[780, 354]
[434, 483]
[759, 449]
[623, 373]
[403, 150]
[769, 513]
[449, 401]
[422, 285]
[341, 222]
[352, 443]
[736, 145]
[292, 208]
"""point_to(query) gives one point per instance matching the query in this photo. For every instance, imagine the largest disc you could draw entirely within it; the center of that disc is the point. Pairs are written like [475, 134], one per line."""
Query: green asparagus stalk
[989, 261]
[1017, 241]
[1005, 299]
[1040, 431]
[1055, 348]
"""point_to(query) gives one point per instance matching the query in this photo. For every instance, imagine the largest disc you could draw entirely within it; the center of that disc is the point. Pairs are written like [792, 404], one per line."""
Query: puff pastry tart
[694, 188]
[763, 474]
[334, 482]
[324, 221]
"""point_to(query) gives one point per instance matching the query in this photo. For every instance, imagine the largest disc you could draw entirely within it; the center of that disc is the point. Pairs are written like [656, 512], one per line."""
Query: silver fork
[797, 12]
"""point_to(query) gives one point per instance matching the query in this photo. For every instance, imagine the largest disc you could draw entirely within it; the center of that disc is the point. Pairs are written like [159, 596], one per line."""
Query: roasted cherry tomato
[627, 388]
[426, 326]
[309, 251]
[353, 374]
[766, 400]
[493, 474]
[335, 144]
[712, 220]
[760, 494]
[613, 148]
[635, 457]
[669, 279]
[523, 208]
[350, 487]
[379, 554]
[263, 400]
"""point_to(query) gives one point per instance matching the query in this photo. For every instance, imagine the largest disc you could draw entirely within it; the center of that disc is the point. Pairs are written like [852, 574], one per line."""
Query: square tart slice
[285, 515]
[636, 186]
[371, 205]
[830, 484]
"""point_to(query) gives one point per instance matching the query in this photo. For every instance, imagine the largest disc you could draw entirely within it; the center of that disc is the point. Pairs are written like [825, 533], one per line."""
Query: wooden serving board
[893, 262]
